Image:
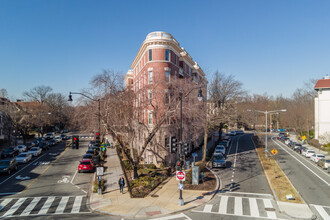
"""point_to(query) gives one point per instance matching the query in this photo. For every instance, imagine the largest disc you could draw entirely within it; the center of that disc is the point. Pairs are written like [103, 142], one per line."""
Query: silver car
[23, 157]
[35, 151]
[219, 160]
[21, 148]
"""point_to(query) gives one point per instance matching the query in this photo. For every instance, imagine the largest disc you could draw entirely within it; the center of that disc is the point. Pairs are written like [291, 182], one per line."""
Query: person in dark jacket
[121, 184]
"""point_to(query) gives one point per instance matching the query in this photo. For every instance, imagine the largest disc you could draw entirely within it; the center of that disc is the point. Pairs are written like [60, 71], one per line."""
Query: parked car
[219, 160]
[29, 145]
[324, 163]
[23, 157]
[224, 143]
[220, 149]
[8, 165]
[49, 135]
[299, 149]
[240, 132]
[316, 157]
[51, 142]
[63, 136]
[35, 151]
[10, 152]
[287, 141]
[91, 143]
[296, 146]
[309, 153]
[43, 146]
[87, 156]
[21, 148]
[232, 133]
[58, 139]
[86, 165]
[90, 151]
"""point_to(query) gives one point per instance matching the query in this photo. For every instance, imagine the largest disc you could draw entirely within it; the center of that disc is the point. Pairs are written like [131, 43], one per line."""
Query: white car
[58, 139]
[21, 148]
[23, 157]
[35, 151]
[232, 133]
[316, 157]
[309, 153]
[220, 149]
[287, 141]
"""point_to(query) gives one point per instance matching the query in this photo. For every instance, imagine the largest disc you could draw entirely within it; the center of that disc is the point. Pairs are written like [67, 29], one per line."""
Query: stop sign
[180, 175]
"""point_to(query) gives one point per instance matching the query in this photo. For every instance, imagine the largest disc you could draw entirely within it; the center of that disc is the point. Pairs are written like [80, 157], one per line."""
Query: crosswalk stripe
[223, 205]
[254, 211]
[14, 208]
[267, 203]
[46, 206]
[77, 204]
[238, 210]
[322, 212]
[61, 206]
[4, 203]
[271, 215]
[29, 208]
[207, 208]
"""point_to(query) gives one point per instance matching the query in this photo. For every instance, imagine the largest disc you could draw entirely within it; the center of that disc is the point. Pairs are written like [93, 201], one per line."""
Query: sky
[271, 46]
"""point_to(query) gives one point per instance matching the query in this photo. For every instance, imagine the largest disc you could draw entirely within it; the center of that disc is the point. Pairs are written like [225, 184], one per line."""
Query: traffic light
[97, 139]
[185, 149]
[174, 145]
[179, 164]
[75, 142]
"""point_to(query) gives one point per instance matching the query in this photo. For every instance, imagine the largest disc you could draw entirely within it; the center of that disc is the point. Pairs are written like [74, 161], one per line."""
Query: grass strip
[278, 180]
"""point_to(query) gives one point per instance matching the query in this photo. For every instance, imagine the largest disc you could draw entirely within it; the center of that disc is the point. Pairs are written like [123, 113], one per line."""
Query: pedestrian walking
[121, 184]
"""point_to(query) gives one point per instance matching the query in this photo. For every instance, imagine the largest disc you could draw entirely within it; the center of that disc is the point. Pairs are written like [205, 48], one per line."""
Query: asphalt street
[312, 182]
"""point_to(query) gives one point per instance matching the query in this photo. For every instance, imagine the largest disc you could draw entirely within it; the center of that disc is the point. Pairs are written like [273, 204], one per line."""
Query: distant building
[322, 110]
[159, 60]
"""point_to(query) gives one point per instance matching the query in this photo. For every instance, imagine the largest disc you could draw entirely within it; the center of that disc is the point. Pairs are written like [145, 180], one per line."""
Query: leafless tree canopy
[38, 93]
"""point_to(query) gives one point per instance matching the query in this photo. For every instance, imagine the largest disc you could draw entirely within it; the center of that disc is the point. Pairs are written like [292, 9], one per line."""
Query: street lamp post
[200, 98]
[266, 113]
[96, 100]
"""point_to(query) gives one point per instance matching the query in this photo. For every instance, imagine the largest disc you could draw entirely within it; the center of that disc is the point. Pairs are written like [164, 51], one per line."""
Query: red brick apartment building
[159, 61]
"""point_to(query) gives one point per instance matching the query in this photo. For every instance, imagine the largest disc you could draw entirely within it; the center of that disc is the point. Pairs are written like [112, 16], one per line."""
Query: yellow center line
[44, 170]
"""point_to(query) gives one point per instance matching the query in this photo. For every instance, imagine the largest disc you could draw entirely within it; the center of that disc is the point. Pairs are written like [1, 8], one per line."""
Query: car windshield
[34, 149]
[218, 157]
[88, 156]
[4, 163]
[22, 155]
[85, 163]
[322, 156]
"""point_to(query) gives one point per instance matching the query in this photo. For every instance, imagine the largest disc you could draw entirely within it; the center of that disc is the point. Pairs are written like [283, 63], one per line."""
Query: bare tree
[3, 93]
[38, 93]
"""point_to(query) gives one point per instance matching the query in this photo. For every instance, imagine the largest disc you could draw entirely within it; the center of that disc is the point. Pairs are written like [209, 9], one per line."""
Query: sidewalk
[163, 200]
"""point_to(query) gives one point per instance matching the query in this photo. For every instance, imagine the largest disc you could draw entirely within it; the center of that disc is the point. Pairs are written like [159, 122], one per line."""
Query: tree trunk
[135, 171]
[205, 145]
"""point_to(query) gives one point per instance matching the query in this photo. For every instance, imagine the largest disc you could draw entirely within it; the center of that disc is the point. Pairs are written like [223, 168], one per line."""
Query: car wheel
[79, 171]
[9, 172]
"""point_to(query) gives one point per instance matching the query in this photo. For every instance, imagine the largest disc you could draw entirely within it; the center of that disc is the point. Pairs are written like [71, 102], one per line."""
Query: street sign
[180, 186]
[194, 154]
[274, 151]
[99, 178]
[99, 171]
[180, 175]
[303, 137]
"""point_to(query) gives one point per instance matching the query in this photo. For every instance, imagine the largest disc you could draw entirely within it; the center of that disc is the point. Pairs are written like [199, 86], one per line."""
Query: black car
[8, 165]
[87, 156]
[10, 152]
[44, 146]
[51, 142]
[90, 151]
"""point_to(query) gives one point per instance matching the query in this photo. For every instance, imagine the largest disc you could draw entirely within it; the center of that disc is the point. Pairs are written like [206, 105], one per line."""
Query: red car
[86, 165]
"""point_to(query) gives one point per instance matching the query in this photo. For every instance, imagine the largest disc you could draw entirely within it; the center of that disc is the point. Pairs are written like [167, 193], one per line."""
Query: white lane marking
[21, 169]
[4, 203]
[257, 194]
[73, 176]
[238, 210]
[322, 212]
[302, 163]
[77, 204]
[181, 215]
[61, 206]
[254, 211]
[207, 208]
[14, 208]
[267, 203]
[46, 206]
[31, 206]
[223, 205]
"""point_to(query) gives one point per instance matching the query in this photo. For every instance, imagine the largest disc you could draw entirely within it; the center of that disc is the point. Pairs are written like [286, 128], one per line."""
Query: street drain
[270, 209]
[154, 196]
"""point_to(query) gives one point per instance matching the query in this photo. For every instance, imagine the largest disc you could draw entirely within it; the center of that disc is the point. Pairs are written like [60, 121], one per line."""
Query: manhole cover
[270, 209]
[154, 196]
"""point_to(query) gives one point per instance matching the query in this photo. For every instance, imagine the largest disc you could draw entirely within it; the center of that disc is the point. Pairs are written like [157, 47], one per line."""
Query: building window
[167, 76]
[167, 55]
[150, 55]
[150, 77]
[150, 96]
[167, 97]
[150, 117]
